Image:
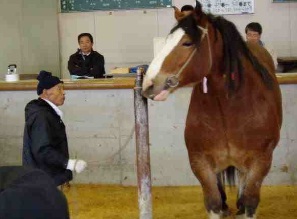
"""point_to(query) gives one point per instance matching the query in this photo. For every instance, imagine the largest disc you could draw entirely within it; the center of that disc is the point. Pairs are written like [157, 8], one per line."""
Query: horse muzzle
[148, 92]
[161, 96]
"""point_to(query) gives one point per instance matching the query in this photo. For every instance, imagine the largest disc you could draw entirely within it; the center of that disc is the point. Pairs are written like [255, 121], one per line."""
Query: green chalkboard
[283, 1]
[92, 5]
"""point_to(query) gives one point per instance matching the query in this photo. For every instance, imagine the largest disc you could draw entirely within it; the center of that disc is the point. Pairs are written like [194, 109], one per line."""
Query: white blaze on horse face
[155, 66]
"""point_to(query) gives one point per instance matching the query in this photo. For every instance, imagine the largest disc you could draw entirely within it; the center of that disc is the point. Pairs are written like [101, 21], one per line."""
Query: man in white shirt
[45, 143]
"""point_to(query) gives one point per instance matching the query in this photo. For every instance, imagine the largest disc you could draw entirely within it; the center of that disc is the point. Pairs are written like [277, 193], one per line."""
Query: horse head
[173, 67]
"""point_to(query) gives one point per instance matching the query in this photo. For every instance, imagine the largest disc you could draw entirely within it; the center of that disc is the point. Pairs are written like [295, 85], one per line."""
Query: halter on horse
[235, 113]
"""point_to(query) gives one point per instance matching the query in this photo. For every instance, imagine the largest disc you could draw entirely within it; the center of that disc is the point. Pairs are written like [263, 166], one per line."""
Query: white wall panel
[126, 36]
[293, 29]
[10, 42]
[29, 36]
[99, 125]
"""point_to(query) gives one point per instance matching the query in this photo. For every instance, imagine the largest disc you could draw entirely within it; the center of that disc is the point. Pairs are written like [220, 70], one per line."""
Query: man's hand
[76, 165]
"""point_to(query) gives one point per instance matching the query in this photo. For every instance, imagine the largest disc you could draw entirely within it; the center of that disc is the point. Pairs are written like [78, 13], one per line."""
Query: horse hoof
[225, 210]
[243, 216]
[240, 216]
[240, 212]
[226, 213]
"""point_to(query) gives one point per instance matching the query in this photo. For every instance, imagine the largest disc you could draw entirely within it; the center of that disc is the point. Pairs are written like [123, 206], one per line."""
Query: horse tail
[230, 175]
[227, 174]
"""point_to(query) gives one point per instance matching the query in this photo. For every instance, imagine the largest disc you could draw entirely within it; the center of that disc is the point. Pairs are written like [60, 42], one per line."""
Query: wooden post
[142, 150]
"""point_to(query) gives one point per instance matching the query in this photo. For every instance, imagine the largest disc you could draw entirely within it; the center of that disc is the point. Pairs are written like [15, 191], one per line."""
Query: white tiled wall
[100, 128]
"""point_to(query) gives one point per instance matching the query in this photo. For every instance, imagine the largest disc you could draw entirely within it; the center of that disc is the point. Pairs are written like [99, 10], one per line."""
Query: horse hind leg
[241, 186]
[221, 186]
[230, 175]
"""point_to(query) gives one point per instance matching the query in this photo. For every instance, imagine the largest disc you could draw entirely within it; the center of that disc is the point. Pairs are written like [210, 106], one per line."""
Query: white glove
[77, 165]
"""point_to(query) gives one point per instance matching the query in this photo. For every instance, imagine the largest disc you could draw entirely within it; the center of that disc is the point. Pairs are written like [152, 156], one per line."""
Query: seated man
[30, 193]
[45, 142]
[253, 33]
[86, 62]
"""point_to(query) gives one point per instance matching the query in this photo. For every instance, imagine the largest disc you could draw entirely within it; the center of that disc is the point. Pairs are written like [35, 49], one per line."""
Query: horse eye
[187, 44]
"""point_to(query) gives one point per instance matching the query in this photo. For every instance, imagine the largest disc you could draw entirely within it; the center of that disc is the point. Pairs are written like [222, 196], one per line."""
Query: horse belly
[252, 130]
[207, 145]
[210, 141]
[232, 134]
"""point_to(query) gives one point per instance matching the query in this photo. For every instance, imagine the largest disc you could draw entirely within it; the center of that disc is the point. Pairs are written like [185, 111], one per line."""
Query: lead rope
[186, 63]
[204, 80]
[204, 33]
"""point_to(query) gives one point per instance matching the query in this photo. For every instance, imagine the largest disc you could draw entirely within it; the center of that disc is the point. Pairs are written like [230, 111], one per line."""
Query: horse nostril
[150, 89]
[149, 92]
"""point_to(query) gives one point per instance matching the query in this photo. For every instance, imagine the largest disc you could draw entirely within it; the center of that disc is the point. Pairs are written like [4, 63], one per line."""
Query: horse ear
[198, 8]
[177, 13]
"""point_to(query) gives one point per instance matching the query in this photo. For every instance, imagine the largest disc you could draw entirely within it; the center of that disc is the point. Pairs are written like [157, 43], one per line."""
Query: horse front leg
[249, 198]
[208, 179]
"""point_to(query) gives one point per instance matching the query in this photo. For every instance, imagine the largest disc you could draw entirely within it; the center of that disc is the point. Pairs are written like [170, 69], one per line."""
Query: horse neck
[213, 66]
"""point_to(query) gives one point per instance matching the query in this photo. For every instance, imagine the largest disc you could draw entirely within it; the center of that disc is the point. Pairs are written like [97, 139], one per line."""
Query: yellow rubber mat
[116, 202]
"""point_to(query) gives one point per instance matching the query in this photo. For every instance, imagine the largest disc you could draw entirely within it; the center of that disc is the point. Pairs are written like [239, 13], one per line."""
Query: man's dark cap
[46, 81]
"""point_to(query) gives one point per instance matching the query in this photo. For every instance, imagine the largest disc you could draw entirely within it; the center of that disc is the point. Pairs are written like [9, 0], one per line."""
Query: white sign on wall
[228, 6]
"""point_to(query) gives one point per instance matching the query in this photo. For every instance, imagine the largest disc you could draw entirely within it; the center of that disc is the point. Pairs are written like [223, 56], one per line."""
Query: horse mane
[188, 24]
[234, 48]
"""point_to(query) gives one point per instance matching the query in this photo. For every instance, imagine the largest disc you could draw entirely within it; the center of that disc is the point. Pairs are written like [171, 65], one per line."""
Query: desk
[129, 75]
[287, 64]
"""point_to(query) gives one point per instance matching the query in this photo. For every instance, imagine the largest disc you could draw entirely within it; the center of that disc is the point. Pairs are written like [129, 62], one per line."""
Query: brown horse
[235, 113]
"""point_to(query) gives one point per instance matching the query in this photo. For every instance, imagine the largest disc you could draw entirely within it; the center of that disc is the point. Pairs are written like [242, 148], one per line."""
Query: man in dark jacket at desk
[45, 141]
[86, 62]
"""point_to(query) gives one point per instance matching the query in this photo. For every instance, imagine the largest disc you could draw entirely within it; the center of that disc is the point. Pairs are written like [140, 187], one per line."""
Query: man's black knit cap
[46, 81]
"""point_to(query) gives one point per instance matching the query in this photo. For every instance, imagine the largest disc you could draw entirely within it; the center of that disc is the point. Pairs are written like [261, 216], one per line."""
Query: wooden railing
[110, 83]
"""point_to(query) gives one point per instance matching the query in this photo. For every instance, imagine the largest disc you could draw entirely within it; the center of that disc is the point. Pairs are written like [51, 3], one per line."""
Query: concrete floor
[116, 202]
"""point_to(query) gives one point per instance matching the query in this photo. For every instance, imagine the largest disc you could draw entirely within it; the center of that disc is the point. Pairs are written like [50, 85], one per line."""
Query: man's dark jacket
[45, 142]
[91, 65]
[30, 193]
